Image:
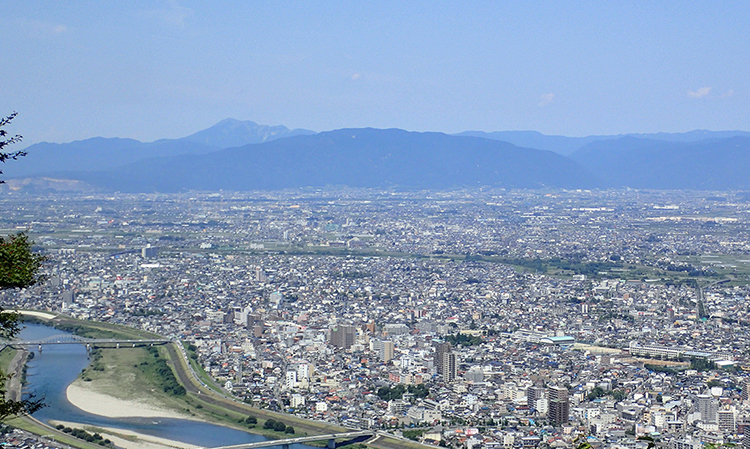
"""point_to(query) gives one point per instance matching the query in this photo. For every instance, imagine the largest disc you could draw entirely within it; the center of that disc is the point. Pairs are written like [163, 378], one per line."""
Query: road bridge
[68, 339]
[288, 441]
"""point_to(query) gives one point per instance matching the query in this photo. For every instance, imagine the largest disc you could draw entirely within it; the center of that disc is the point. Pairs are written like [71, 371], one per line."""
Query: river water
[50, 373]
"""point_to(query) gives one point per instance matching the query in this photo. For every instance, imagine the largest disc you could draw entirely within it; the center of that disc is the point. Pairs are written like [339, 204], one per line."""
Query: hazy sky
[165, 69]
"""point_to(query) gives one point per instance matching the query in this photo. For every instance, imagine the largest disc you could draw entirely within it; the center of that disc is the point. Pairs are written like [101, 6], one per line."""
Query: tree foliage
[702, 364]
[5, 141]
[19, 266]
[387, 393]
[463, 340]
[9, 407]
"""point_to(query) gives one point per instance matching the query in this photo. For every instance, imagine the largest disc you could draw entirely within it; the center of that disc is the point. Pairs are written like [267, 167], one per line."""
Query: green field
[6, 355]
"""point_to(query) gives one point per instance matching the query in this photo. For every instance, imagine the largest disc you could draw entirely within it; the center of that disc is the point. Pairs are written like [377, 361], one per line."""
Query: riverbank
[128, 439]
[15, 370]
[130, 381]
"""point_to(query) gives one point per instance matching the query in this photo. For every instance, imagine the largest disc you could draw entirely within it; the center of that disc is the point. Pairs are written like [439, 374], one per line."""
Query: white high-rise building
[707, 407]
[303, 372]
[291, 379]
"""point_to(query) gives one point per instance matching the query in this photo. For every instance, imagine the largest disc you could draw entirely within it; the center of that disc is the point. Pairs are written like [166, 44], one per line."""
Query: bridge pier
[331, 444]
[88, 347]
[284, 446]
[40, 349]
[118, 345]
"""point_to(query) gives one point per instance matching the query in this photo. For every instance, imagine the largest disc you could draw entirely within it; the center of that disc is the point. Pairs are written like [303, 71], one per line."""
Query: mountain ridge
[363, 157]
[276, 157]
[710, 164]
[99, 153]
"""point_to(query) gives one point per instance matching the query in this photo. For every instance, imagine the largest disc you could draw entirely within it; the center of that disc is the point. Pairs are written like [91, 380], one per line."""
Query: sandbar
[88, 400]
[42, 315]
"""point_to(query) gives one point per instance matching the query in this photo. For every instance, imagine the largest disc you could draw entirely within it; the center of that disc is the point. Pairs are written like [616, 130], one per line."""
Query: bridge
[78, 340]
[288, 441]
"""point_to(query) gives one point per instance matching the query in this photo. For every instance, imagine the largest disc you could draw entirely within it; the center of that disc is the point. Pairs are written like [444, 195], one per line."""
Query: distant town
[470, 318]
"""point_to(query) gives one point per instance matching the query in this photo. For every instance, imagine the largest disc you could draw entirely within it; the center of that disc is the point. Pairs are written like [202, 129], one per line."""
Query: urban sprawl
[470, 318]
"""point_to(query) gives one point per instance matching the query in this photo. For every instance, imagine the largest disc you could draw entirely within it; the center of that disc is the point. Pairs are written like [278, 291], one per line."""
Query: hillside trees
[19, 268]
[5, 141]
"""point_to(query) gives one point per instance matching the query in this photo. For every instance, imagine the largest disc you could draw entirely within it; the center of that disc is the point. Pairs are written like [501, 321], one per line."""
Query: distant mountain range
[101, 153]
[242, 155]
[568, 145]
[710, 164]
[351, 157]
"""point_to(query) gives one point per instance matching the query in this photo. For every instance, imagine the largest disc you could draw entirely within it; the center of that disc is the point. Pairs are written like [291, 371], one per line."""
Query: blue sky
[165, 69]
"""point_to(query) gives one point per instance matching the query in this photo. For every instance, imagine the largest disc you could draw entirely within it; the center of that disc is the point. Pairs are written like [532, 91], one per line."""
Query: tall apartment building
[342, 336]
[450, 367]
[727, 420]
[386, 351]
[558, 409]
[441, 349]
[707, 407]
[532, 395]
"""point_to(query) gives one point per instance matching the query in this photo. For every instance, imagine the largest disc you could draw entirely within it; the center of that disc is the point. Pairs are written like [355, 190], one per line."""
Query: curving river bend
[50, 373]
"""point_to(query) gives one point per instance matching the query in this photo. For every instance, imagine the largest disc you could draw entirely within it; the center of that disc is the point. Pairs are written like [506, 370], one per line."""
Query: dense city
[468, 318]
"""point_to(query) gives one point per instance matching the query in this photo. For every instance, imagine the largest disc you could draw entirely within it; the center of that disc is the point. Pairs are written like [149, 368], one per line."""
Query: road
[193, 385]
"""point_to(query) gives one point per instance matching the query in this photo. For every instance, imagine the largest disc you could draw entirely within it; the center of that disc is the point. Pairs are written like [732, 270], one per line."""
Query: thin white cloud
[546, 99]
[356, 76]
[173, 14]
[728, 94]
[40, 28]
[700, 93]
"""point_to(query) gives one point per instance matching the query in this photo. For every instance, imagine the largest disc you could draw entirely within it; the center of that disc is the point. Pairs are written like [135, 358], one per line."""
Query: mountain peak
[231, 132]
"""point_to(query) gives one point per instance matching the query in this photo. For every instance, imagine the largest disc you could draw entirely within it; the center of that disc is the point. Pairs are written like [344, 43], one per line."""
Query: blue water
[50, 373]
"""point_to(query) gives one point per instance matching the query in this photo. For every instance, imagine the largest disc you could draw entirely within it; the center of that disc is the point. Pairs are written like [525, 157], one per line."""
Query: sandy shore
[127, 439]
[42, 315]
[84, 397]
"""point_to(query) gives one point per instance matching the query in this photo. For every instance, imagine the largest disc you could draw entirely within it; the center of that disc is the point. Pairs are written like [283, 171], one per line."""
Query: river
[50, 373]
